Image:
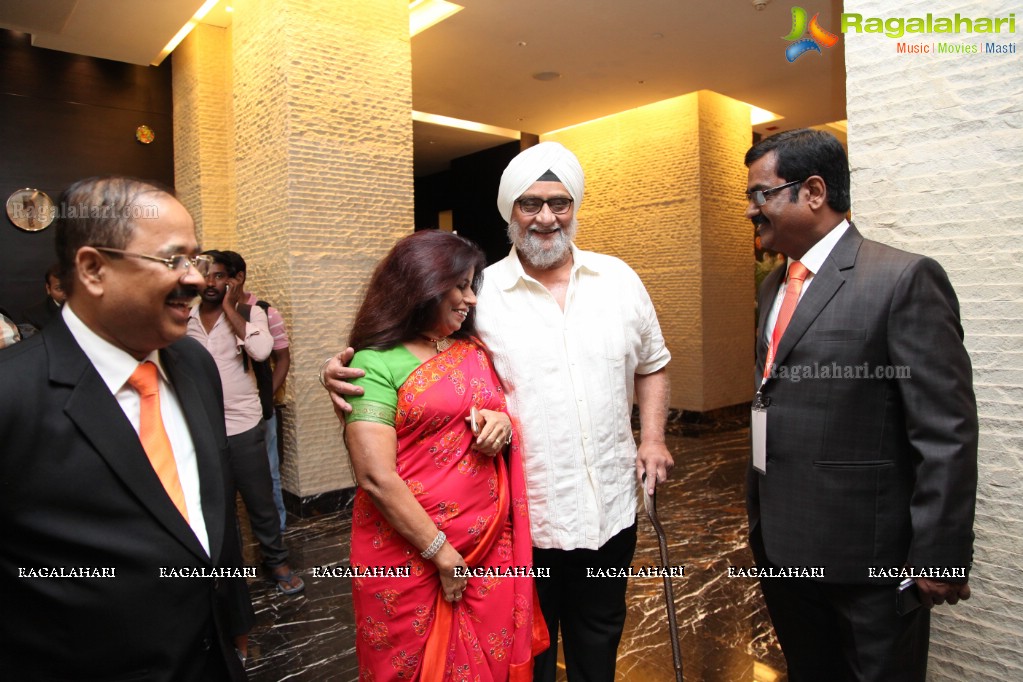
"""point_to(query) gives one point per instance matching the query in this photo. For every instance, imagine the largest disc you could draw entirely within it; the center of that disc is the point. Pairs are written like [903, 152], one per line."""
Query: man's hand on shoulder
[335, 375]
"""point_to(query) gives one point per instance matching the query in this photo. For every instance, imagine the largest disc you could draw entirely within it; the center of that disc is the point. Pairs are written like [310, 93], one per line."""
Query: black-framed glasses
[533, 205]
[177, 262]
[759, 196]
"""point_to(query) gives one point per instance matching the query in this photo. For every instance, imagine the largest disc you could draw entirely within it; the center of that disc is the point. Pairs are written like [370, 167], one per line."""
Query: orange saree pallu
[404, 628]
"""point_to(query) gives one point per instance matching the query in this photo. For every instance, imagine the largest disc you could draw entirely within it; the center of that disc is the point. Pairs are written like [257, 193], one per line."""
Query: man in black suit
[108, 569]
[40, 314]
[864, 427]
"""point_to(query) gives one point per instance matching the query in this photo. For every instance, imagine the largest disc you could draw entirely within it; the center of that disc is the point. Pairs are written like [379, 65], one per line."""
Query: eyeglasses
[178, 262]
[759, 196]
[533, 205]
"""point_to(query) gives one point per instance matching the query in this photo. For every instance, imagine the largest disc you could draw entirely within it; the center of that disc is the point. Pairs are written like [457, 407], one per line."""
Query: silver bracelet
[435, 546]
[323, 367]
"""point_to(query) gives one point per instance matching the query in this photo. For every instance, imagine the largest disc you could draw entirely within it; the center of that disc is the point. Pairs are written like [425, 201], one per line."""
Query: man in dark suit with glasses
[120, 557]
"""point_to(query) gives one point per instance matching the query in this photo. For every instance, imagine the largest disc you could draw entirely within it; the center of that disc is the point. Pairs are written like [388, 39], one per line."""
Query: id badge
[758, 432]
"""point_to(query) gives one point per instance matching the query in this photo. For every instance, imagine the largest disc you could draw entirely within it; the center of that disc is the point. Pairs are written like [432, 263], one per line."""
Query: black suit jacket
[864, 470]
[42, 313]
[77, 490]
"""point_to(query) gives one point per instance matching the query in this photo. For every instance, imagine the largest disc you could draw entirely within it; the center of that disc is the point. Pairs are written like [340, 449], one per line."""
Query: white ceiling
[479, 64]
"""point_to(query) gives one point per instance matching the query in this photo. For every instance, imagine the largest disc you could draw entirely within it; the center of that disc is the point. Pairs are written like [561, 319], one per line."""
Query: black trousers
[846, 633]
[250, 475]
[589, 611]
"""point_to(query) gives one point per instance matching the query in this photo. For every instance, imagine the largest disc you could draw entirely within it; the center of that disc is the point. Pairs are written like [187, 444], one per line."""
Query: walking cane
[650, 504]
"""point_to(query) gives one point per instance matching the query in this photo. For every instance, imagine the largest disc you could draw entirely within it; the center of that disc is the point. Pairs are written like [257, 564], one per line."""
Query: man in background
[270, 378]
[235, 340]
[40, 314]
[111, 464]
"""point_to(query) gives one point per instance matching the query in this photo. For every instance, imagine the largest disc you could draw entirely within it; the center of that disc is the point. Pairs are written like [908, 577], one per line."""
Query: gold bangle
[323, 368]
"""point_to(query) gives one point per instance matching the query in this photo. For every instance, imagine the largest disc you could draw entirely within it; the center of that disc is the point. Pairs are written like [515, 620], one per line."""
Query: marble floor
[724, 630]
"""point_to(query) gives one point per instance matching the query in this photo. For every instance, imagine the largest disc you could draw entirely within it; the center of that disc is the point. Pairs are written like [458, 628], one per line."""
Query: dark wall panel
[474, 182]
[65, 117]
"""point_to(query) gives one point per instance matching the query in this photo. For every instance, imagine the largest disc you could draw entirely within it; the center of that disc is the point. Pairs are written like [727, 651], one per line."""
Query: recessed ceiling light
[547, 76]
[422, 14]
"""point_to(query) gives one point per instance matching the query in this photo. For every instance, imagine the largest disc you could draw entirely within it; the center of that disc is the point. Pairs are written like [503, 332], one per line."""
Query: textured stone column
[936, 151]
[664, 187]
[203, 138]
[320, 172]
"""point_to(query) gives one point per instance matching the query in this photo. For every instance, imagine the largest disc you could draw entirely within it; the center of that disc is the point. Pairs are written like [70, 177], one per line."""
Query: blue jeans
[275, 467]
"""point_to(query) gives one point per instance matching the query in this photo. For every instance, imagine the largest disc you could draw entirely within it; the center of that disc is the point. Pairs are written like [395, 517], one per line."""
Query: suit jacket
[867, 472]
[77, 490]
[42, 313]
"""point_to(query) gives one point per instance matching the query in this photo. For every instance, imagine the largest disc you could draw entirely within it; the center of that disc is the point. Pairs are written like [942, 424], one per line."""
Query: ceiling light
[758, 116]
[185, 30]
[547, 76]
[465, 125]
[422, 14]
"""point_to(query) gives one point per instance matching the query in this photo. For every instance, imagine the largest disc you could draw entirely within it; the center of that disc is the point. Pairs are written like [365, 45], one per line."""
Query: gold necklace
[441, 344]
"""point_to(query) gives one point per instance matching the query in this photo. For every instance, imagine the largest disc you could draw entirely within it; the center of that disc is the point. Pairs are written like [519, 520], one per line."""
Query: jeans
[275, 468]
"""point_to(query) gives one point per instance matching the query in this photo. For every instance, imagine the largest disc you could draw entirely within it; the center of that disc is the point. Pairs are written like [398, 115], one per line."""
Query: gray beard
[537, 253]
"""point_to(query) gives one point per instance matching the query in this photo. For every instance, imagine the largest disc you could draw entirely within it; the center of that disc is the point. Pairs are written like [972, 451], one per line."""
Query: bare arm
[653, 391]
[254, 334]
[282, 363]
[373, 448]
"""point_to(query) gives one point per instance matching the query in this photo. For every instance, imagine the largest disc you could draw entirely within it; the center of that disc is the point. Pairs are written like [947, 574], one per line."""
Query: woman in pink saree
[440, 526]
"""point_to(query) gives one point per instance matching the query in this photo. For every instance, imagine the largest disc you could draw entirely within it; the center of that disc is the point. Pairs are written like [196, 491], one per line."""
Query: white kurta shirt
[569, 378]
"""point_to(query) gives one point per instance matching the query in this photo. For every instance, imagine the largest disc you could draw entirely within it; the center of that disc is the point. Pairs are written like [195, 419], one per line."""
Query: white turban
[529, 165]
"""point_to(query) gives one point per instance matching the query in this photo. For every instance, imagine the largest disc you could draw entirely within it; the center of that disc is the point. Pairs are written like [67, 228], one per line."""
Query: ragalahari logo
[818, 36]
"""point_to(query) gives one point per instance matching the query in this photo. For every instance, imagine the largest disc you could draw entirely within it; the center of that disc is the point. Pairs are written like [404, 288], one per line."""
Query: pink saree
[404, 628]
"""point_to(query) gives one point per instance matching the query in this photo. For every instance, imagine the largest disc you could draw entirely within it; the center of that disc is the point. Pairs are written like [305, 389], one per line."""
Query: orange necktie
[797, 273]
[154, 436]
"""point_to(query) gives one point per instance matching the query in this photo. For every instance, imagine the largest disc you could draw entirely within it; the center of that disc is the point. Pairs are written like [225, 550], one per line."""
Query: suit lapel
[99, 417]
[768, 292]
[825, 285]
[207, 451]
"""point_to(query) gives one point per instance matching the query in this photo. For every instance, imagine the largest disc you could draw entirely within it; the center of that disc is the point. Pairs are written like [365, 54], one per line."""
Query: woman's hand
[447, 560]
[495, 431]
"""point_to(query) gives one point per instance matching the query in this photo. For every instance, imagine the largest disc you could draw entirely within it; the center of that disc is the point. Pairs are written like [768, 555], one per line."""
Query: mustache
[184, 292]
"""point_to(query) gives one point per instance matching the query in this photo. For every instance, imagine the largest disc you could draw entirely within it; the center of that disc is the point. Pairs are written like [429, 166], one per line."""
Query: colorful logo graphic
[818, 36]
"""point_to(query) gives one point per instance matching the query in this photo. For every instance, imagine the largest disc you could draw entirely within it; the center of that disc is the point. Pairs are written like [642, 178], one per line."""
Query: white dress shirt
[812, 260]
[569, 377]
[115, 367]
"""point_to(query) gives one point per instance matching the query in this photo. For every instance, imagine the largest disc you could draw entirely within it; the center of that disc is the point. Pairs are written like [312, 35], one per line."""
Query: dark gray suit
[866, 472]
[77, 490]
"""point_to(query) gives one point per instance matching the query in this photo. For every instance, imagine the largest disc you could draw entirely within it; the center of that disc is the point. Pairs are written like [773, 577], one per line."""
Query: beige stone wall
[937, 161]
[203, 144]
[664, 186]
[319, 135]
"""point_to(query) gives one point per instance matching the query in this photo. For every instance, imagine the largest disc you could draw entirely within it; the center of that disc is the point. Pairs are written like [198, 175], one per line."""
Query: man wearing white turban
[574, 336]
[575, 339]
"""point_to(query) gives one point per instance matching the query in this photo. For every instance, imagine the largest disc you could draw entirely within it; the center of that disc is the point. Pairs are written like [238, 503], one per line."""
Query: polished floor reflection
[724, 631]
